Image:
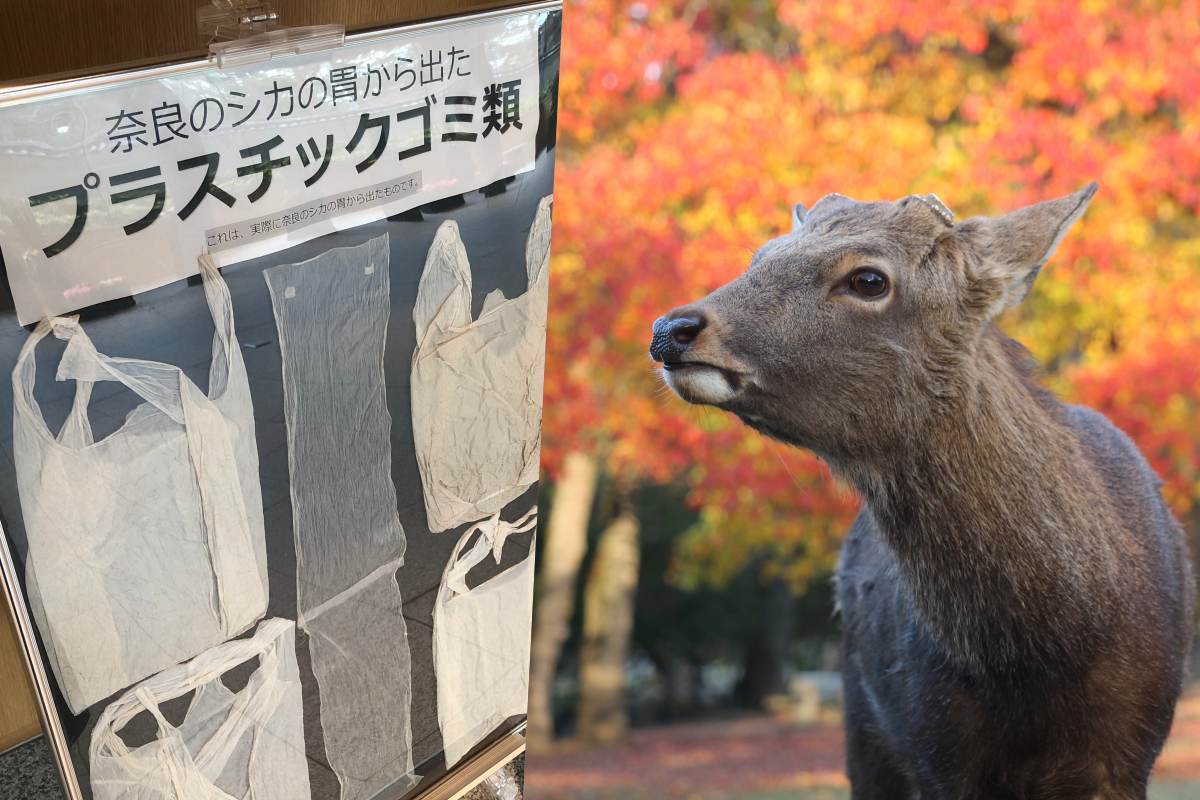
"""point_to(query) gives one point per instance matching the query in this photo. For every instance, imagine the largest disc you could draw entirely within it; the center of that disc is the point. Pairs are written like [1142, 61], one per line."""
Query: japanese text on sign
[311, 212]
[124, 187]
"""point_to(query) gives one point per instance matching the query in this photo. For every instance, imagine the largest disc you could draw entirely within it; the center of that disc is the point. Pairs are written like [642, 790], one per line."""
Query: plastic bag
[248, 744]
[332, 314]
[481, 638]
[477, 383]
[146, 547]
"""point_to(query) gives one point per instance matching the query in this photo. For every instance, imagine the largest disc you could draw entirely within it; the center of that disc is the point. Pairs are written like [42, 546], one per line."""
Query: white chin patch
[699, 385]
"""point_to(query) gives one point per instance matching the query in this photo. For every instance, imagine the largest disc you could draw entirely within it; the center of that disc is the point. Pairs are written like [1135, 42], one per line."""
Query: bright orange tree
[684, 145]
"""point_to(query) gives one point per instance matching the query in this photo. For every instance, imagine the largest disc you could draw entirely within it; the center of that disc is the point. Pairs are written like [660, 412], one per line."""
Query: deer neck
[1003, 535]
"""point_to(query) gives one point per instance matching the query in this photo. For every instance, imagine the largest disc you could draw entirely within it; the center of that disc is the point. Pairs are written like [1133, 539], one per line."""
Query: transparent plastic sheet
[477, 383]
[248, 744]
[332, 314]
[151, 539]
[481, 638]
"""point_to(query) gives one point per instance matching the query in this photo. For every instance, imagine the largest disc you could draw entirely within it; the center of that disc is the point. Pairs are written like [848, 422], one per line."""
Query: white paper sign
[114, 191]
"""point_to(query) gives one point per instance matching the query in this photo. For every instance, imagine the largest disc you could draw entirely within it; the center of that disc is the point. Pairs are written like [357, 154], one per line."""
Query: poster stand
[256, 41]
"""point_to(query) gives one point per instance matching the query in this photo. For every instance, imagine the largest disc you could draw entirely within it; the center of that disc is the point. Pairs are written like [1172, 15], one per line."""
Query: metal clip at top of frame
[244, 32]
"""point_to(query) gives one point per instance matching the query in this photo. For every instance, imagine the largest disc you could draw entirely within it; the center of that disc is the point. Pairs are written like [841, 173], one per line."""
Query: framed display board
[275, 335]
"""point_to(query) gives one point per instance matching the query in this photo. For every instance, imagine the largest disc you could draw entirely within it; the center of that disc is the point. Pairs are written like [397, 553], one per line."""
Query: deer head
[851, 332]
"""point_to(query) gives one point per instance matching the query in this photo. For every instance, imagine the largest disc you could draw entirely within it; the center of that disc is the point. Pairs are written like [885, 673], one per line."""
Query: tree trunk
[562, 552]
[607, 630]
[766, 655]
[680, 678]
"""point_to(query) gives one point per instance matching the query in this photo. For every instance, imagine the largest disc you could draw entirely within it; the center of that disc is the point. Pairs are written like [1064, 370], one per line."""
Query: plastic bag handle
[537, 245]
[220, 305]
[179, 680]
[444, 292]
[494, 532]
[160, 386]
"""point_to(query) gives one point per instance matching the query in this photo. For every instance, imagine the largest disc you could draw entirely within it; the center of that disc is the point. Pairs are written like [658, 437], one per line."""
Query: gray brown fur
[1017, 599]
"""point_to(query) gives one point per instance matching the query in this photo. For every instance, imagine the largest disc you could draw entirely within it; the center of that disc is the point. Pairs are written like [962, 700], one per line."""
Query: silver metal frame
[474, 771]
[37, 673]
[450, 786]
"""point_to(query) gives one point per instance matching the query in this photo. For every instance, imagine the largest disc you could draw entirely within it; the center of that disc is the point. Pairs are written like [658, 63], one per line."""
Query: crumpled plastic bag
[481, 638]
[477, 383]
[146, 547]
[246, 744]
[332, 315]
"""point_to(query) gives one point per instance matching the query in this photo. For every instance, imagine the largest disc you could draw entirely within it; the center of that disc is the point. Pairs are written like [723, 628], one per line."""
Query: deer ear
[1011, 249]
[798, 212]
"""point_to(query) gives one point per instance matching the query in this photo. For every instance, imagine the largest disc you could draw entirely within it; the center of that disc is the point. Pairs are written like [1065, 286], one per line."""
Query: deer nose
[673, 334]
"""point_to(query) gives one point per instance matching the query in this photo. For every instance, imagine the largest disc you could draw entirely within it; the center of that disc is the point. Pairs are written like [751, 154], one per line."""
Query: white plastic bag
[332, 313]
[146, 547]
[481, 638]
[477, 383]
[243, 746]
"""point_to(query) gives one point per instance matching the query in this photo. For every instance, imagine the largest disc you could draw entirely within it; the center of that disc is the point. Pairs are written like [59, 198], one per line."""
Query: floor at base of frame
[27, 773]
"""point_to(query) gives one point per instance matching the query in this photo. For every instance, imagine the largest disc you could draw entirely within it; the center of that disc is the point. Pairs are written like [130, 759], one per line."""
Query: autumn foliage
[688, 129]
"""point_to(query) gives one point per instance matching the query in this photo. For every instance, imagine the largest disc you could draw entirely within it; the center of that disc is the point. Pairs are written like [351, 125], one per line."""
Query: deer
[1016, 597]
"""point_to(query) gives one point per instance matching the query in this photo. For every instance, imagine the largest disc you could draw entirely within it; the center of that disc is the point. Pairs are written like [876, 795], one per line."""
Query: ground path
[759, 758]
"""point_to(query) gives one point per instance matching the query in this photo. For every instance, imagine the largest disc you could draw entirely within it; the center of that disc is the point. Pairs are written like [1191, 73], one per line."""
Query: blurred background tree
[687, 130]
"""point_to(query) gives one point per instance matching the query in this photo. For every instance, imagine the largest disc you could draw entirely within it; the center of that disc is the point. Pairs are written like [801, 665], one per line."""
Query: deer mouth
[701, 382]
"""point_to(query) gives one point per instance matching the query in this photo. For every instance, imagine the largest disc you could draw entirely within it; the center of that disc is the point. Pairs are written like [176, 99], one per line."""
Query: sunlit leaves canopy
[689, 128]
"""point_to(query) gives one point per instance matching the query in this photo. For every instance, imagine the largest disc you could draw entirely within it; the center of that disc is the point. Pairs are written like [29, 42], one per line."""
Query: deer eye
[869, 283]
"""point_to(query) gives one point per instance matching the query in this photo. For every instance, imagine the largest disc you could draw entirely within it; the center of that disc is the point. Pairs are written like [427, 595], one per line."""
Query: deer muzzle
[673, 334]
[695, 366]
